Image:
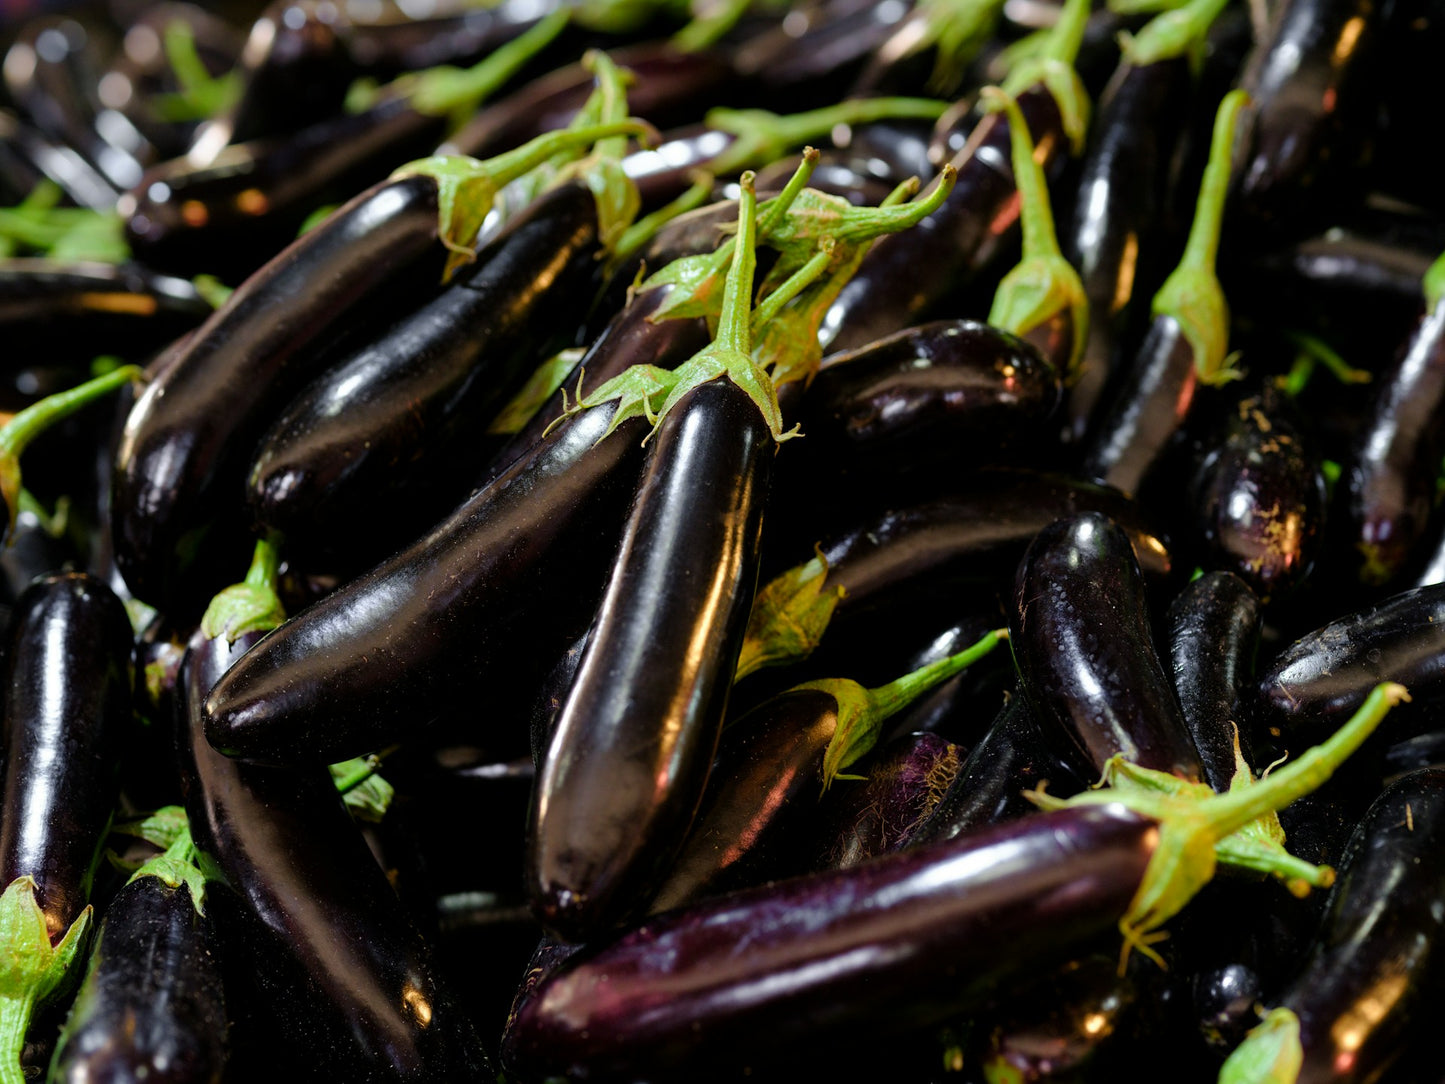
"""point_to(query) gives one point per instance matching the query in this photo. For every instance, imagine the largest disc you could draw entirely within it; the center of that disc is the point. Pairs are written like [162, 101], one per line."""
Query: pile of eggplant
[643, 540]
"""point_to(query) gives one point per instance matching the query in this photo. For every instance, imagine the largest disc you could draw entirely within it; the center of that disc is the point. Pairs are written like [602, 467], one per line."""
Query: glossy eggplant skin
[1377, 959]
[494, 593]
[285, 845]
[767, 779]
[184, 452]
[1140, 419]
[81, 310]
[1085, 652]
[629, 757]
[1390, 479]
[1321, 678]
[232, 216]
[1308, 79]
[67, 709]
[1214, 628]
[950, 390]
[1014, 755]
[908, 274]
[1117, 211]
[896, 943]
[153, 1005]
[391, 424]
[1259, 497]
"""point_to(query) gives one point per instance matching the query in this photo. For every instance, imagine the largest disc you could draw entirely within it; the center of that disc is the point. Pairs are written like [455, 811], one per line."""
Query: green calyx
[24, 427]
[1433, 284]
[788, 618]
[1143, 7]
[638, 391]
[862, 712]
[160, 828]
[1191, 295]
[957, 30]
[177, 867]
[467, 188]
[1196, 825]
[1172, 34]
[456, 93]
[32, 967]
[540, 386]
[201, 95]
[1053, 66]
[39, 224]
[1270, 1054]
[366, 794]
[252, 605]
[1043, 285]
[762, 137]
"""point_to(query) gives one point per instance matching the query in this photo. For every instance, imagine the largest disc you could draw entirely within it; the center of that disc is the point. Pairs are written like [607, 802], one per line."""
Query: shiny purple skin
[906, 780]
[1259, 497]
[1390, 478]
[894, 944]
[153, 1006]
[285, 844]
[909, 274]
[1322, 678]
[66, 717]
[1118, 209]
[947, 391]
[1376, 966]
[188, 440]
[493, 594]
[1085, 651]
[625, 770]
[1213, 637]
[1137, 424]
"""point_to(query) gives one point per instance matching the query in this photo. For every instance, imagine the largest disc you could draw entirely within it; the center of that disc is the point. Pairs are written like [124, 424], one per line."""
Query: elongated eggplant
[898, 942]
[1085, 652]
[1259, 497]
[635, 737]
[496, 591]
[1213, 636]
[152, 1006]
[373, 1005]
[1390, 478]
[67, 707]
[26, 156]
[391, 422]
[1325, 675]
[1377, 959]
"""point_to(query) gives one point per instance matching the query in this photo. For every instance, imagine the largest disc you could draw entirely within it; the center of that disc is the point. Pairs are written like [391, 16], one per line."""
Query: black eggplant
[351, 979]
[152, 1006]
[1213, 635]
[1085, 652]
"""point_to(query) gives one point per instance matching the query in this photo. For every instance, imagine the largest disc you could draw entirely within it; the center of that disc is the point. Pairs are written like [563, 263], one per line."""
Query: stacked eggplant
[717, 609]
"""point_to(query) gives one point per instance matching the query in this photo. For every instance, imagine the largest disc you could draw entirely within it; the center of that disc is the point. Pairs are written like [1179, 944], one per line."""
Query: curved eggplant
[892, 944]
[283, 841]
[389, 424]
[1213, 636]
[67, 708]
[1085, 652]
[630, 754]
[152, 1006]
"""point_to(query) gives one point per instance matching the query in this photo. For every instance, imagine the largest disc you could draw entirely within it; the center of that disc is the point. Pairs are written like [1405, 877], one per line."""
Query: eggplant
[374, 1007]
[1259, 497]
[67, 710]
[1391, 475]
[1213, 636]
[891, 944]
[153, 1005]
[26, 157]
[391, 421]
[1085, 652]
[1347, 1014]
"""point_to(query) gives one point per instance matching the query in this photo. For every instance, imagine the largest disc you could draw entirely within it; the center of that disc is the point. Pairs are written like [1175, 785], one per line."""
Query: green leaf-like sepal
[250, 606]
[177, 867]
[1171, 34]
[1194, 822]
[367, 795]
[789, 616]
[1043, 284]
[545, 380]
[1192, 296]
[639, 391]
[161, 828]
[957, 29]
[1270, 1054]
[457, 92]
[32, 969]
